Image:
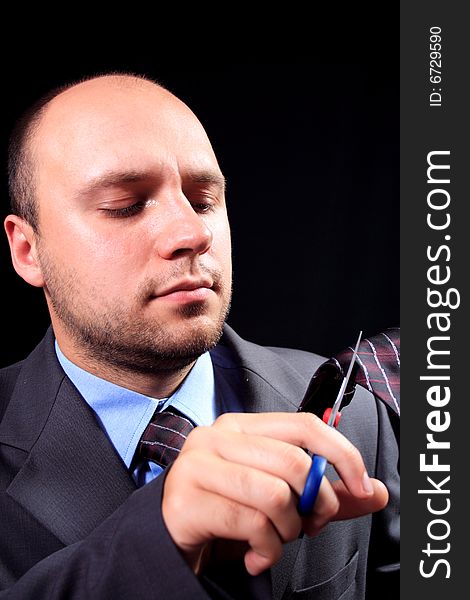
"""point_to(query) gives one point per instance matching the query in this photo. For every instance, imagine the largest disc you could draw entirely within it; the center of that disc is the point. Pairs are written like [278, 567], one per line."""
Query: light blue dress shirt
[125, 414]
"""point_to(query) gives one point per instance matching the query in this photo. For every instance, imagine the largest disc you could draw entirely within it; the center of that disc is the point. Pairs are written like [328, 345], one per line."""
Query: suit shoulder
[280, 366]
[8, 378]
[301, 360]
[9, 375]
[10, 372]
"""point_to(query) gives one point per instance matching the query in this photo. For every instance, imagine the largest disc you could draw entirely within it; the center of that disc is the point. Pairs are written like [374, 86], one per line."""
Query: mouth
[188, 290]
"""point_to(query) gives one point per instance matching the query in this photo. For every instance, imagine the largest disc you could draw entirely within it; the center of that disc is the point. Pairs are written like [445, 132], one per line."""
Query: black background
[311, 153]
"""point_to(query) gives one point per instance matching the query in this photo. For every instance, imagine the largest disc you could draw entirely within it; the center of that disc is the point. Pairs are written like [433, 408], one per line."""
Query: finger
[336, 503]
[351, 507]
[307, 431]
[222, 519]
[246, 485]
[326, 507]
[278, 458]
[256, 563]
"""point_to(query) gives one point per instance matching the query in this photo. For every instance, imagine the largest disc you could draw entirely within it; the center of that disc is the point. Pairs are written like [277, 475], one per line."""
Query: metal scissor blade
[344, 383]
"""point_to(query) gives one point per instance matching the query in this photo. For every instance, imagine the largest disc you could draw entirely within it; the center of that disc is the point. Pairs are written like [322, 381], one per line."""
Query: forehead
[101, 127]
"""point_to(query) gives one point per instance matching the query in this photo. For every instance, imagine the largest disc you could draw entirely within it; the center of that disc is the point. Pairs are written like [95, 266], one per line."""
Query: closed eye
[202, 207]
[126, 211]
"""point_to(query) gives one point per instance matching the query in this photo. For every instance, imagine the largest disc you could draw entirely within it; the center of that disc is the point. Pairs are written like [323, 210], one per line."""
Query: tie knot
[164, 436]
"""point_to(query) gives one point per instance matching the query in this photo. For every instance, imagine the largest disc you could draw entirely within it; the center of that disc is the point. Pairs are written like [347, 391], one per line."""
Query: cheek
[222, 246]
[98, 262]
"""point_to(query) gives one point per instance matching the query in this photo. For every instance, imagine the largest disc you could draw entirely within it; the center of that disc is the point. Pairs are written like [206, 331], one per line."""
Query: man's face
[134, 241]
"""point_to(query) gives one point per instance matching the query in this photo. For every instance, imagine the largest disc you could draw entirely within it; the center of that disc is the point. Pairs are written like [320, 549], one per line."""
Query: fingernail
[367, 484]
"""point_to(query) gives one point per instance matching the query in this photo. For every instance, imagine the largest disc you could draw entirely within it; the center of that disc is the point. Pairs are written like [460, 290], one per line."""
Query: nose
[184, 232]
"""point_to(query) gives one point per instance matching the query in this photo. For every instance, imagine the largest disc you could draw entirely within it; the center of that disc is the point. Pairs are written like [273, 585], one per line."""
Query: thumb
[351, 507]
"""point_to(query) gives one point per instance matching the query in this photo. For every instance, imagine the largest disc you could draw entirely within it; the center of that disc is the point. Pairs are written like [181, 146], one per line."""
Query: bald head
[104, 93]
[79, 111]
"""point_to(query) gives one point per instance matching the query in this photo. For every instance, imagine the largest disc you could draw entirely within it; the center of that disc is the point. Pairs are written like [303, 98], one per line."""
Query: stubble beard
[125, 342]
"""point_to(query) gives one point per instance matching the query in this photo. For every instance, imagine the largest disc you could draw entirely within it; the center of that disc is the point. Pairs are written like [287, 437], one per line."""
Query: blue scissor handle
[329, 413]
[312, 485]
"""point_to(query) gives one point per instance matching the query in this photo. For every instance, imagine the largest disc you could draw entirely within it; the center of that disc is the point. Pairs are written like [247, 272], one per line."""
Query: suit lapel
[70, 463]
[261, 382]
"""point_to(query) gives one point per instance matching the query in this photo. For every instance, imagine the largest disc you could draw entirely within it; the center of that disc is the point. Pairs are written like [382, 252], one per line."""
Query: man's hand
[241, 479]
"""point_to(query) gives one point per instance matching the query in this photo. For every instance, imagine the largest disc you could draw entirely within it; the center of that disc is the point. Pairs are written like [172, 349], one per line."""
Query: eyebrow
[209, 177]
[111, 179]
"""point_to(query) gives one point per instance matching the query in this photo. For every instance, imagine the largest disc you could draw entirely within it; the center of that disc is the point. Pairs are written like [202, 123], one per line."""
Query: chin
[205, 330]
[181, 346]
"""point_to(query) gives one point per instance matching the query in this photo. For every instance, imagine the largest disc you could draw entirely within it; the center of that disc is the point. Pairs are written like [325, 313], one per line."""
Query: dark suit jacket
[73, 525]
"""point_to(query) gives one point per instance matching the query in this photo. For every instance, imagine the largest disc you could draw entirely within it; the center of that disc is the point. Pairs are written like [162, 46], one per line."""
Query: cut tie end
[377, 369]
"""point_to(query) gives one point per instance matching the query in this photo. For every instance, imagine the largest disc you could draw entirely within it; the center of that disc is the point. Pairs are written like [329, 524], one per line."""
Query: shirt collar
[124, 414]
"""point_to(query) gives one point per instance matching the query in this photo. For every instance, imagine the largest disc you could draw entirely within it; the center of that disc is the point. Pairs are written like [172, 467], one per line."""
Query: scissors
[323, 380]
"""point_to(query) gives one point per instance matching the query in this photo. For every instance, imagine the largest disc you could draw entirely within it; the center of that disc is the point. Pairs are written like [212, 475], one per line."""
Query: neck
[157, 384]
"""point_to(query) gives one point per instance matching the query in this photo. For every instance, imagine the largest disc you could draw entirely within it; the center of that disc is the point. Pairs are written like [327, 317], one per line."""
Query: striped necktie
[377, 368]
[164, 436]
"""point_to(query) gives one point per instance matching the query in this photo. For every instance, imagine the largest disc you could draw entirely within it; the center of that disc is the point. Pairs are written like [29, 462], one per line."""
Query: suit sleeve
[130, 555]
[384, 553]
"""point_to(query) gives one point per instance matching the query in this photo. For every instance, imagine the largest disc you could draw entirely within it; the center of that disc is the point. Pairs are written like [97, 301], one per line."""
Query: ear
[23, 247]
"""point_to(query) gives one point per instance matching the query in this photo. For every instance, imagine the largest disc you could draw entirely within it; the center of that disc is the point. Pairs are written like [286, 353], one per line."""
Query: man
[119, 215]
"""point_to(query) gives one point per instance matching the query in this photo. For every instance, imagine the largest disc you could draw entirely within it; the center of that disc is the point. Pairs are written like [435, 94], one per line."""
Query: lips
[187, 285]
[187, 291]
